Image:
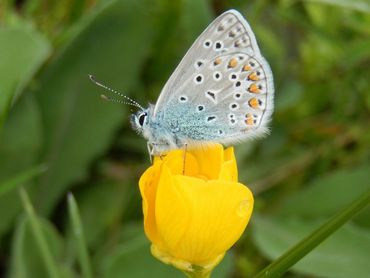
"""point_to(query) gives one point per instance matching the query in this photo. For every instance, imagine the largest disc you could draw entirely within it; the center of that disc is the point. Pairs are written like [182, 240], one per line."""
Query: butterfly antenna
[107, 98]
[132, 102]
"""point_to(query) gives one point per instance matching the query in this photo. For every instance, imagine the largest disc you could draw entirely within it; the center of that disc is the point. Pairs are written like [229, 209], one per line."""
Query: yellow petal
[168, 197]
[181, 162]
[229, 168]
[200, 220]
[229, 154]
[148, 188]
[209, 160]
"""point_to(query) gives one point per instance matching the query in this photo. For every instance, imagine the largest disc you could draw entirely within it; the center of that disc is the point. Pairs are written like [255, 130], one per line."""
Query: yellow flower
[193, 215]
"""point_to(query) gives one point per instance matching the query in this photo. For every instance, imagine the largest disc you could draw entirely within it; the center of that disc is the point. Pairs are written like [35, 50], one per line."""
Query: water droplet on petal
[243, 208]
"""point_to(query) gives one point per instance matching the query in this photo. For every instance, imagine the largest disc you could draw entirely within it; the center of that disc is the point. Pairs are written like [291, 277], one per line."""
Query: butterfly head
[139, 120]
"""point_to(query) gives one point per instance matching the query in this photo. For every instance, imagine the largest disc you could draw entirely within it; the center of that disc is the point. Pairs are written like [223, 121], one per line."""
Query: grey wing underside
[222, 91]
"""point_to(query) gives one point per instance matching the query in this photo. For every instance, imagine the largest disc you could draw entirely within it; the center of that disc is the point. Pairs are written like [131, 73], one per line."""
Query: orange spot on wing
[249, 119]
[246, 68]
[254, 89]
[253, 102]
[232, 63]
[253, 76]
[217, 61]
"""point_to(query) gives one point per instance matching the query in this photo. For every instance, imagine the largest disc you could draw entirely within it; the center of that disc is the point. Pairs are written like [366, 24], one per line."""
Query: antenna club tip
[91, 77]
[104, 97]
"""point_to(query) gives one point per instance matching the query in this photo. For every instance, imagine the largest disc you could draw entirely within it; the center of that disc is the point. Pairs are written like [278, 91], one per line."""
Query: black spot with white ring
[183, 99]
[237, 95]
[198, 79]
[207, 44]
[218, 45]
[234, 106]
[217, 76]
[233, 76]
[200, 108]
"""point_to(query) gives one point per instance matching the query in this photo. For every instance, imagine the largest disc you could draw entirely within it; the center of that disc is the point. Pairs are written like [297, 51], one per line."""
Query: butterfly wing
[223, 87]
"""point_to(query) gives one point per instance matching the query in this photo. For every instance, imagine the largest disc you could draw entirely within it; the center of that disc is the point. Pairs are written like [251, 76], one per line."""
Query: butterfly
[221, 92]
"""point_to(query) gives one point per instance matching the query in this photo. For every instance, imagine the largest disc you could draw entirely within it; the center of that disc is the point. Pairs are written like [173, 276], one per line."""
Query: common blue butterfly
[222, 91]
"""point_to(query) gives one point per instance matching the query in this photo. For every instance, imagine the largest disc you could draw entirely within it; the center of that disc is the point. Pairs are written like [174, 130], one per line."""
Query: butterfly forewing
[223, 87]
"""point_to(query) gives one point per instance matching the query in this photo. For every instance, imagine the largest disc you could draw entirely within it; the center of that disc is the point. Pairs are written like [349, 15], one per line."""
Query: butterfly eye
[142, 118]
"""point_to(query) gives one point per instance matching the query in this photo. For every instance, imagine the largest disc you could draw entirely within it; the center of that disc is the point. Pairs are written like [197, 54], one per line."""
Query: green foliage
[22, 52]
[348, 246]
[314, 163]
[27, 259]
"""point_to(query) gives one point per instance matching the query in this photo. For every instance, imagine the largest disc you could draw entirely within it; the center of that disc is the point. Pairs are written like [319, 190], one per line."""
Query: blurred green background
[315, 162]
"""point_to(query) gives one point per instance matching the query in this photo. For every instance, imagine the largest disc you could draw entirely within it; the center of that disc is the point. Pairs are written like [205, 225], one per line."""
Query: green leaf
[277, 236]
[179, 24]
[22, 178]
[22, 52]
[78, 232]
[20, 143]
[98, 220]
[79, 126]
[195, 18]
[26, 258]
[292, 96]
[327, 194]
[344, 254]
[41, 238]
[132, 258]
[225, 268]
[358, 52]
[129, 259]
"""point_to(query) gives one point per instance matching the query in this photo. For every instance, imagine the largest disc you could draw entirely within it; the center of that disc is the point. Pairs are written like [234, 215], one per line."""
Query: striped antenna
[111, 99]
[131, 101]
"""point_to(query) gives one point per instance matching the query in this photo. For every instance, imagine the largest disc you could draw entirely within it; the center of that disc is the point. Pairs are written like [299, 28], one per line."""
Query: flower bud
[194, 208]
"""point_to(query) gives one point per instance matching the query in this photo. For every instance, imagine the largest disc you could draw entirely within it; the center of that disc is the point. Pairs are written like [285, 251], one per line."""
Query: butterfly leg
[184, 158]
[153, 151]
[150, 151]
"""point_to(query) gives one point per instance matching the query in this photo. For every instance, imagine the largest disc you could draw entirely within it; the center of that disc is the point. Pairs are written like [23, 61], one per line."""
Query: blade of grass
[297, 252]
[79, 235]
[46, 254]
[23, 177]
